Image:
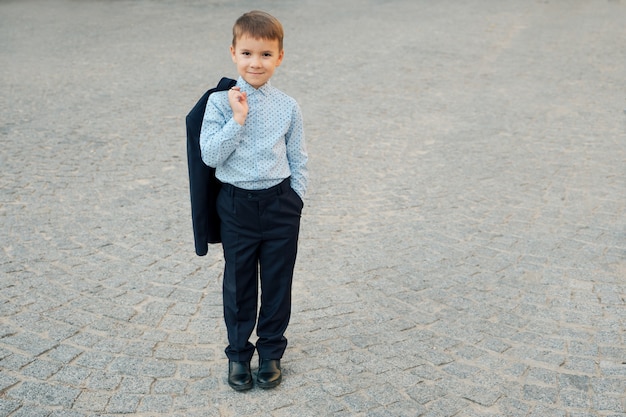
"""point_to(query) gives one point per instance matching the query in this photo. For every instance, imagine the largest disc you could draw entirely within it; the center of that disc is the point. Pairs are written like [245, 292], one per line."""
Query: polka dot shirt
[268, 148]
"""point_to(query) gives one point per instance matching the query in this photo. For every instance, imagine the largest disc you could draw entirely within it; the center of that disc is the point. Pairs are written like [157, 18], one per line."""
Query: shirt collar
[243, 84]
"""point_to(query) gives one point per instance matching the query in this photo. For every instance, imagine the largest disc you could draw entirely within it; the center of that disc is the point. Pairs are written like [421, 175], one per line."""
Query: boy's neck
[267, 83]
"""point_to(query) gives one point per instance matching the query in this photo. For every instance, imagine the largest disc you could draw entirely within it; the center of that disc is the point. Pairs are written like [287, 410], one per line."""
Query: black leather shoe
[239, 375]
[269, 375]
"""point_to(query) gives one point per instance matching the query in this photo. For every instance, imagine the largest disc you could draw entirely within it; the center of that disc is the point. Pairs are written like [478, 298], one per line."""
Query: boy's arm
[219, 135]
[296, 153]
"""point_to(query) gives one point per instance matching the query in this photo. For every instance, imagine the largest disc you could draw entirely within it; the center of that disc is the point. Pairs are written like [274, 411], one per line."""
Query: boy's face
[256, 59]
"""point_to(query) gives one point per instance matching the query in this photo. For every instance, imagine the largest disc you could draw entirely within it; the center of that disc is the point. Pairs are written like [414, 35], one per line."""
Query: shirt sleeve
[296, 153]
[219, 135]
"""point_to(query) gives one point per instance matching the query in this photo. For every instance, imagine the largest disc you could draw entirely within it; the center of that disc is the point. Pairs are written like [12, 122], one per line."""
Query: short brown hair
[258, 25]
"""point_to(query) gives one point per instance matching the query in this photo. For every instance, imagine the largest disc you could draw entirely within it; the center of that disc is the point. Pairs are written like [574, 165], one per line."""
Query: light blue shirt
[268, 148]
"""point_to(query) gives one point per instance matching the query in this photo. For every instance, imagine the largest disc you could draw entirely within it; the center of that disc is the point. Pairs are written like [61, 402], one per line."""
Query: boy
[253, 136]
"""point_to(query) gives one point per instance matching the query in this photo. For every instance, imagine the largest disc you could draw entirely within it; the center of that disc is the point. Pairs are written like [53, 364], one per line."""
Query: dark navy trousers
[260, 241]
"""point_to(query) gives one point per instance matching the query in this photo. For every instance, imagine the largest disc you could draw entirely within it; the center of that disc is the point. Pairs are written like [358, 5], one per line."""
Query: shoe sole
[272, 384]
[241, 387]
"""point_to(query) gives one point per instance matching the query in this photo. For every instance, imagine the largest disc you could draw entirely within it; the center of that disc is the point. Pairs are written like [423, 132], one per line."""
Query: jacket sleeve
[203, 185]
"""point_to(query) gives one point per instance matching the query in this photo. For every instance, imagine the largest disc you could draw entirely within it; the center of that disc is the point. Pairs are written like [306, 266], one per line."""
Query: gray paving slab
[463, 247]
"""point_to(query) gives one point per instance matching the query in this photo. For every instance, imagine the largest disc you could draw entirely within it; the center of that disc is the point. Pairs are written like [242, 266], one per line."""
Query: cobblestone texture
[463, 247]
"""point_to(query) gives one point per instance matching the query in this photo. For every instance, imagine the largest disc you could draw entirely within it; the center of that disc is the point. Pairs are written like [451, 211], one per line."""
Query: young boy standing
[253, 136]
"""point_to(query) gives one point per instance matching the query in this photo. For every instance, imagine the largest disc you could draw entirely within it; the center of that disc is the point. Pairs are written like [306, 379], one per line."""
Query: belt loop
[284, 185]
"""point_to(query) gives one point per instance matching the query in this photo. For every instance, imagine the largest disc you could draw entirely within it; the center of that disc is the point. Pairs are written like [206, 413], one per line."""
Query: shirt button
[249, 195]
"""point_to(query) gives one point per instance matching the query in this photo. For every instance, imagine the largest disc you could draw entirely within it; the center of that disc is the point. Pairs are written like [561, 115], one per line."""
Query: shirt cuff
[231, 128]
[299, 190]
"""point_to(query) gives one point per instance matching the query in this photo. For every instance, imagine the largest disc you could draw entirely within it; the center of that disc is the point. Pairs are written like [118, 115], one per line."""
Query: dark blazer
[203, 185]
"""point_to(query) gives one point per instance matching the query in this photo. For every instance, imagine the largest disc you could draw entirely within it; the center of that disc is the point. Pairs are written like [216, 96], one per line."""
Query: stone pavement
[463, 247]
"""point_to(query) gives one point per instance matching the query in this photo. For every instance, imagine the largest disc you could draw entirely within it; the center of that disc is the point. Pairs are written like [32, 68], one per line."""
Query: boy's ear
[281, 55]
[232, 53]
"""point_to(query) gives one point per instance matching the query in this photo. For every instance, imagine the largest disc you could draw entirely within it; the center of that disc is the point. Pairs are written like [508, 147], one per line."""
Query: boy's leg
[240, 286]
[277, 257]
